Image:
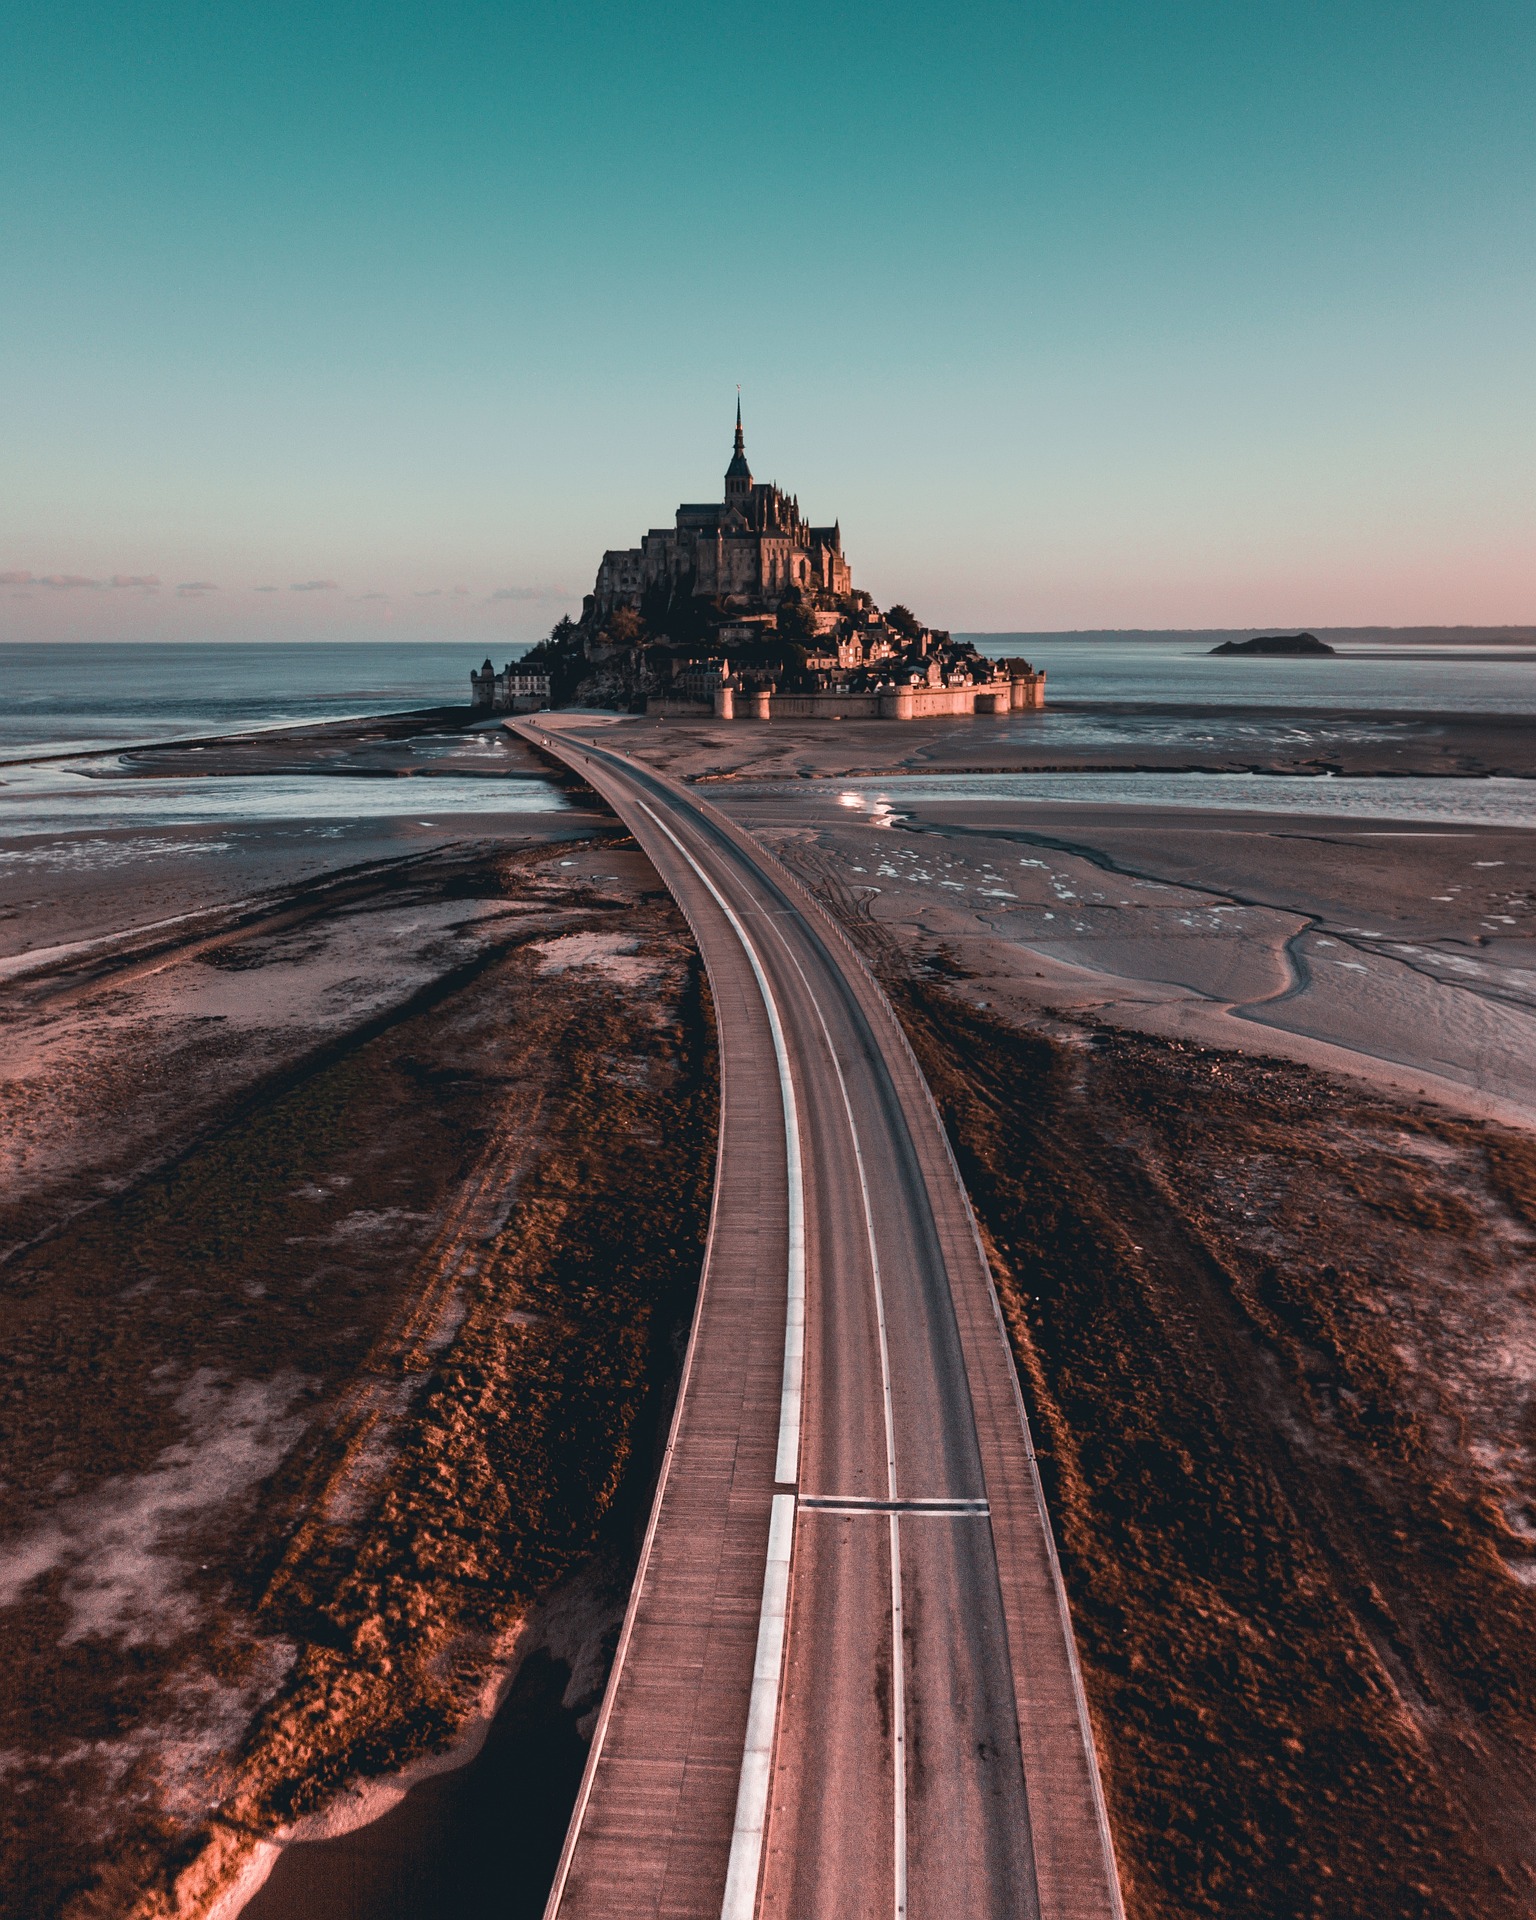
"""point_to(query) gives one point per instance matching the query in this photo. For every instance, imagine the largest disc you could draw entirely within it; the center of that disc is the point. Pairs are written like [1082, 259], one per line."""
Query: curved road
[846, 1684]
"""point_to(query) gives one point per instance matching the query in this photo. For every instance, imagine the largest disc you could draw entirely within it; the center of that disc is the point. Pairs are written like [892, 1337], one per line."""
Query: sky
[384, 321]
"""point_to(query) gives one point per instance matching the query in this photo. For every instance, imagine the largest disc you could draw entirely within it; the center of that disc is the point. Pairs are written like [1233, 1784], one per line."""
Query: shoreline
[347, 1065]
[959, 770]
[569, 1625]
[274, 728]
[1126, 930]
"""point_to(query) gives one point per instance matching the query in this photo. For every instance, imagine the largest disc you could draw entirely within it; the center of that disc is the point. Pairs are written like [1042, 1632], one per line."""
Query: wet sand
[1400, 954]
[1100, 736]
[355, 1175]
[1400, 951]
[1245, 1106]
[276, 1087]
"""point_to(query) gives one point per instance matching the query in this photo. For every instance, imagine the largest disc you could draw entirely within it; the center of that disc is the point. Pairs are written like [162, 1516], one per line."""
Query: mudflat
[356, 1169]
[1396, 953]
[355, 1177]
[1105, 736]
[1243, 1100]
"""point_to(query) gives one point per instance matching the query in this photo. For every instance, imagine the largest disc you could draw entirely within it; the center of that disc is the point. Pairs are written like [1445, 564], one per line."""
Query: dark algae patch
[298, 1424]
[1276, 1339]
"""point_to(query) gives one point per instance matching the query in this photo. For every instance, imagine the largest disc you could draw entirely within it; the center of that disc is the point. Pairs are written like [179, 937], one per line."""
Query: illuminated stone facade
[752, 546]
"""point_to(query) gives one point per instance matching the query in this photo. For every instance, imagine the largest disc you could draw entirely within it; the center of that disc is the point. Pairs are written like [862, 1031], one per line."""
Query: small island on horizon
[1285, 645]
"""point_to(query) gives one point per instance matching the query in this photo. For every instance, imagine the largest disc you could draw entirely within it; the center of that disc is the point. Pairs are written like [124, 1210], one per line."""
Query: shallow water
[1066, 729]
[75, 802]
[1384, 674]
[64, 698]
[1494, 802]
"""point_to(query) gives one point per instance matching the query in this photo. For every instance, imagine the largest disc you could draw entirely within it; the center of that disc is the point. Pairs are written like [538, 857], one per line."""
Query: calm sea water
[1105, 688]
[1379, 672]
[101, 699]
[65, 698]
[62, 698]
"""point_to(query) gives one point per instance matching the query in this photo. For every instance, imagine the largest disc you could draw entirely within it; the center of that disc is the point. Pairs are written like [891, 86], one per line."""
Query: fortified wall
[1004, 695]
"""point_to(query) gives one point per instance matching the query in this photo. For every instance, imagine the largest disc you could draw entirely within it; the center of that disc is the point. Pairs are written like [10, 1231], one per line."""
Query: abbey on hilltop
[742, 607]
[751, 546]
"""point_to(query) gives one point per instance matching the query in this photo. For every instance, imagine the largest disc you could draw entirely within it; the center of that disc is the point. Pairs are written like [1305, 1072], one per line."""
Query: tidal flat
[357, 1164]
[355, 1189]
[1244, 1101]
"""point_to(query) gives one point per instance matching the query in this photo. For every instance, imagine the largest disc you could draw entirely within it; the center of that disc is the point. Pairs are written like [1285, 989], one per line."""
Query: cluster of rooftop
[742, 608]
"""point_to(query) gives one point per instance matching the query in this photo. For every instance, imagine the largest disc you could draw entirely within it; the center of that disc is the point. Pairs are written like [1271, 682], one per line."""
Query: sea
[67, 711]
[1465, 670]
[83, 697]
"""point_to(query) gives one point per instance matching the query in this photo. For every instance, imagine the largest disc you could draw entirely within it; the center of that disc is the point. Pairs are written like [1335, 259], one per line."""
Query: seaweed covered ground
[356, 1348]
[1278, 1341]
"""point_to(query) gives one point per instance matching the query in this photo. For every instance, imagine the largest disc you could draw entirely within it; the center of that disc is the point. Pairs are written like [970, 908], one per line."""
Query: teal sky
[1075, 314]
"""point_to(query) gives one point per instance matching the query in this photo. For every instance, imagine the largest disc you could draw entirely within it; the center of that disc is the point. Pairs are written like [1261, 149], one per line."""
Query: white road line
[762, 1711]
[786, 1468]
[898, 1649]
[740, 1901]
[745, 1862]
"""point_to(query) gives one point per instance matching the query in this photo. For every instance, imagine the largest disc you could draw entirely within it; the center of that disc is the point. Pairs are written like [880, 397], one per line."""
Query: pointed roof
[738, 469]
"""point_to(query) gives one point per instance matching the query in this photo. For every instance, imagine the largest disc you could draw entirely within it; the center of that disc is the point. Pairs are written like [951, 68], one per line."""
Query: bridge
[846, 1683]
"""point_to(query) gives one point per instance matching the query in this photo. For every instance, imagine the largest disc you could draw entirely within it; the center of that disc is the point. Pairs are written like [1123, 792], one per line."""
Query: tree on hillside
[797, 621]
[560, 635]
[904, 620]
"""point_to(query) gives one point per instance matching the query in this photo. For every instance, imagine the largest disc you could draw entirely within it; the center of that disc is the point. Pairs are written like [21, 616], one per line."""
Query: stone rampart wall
[890, 703]
[666, 703]
[825, 706]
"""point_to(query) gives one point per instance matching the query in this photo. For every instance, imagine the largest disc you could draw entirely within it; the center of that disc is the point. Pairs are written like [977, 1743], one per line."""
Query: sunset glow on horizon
[384, 323]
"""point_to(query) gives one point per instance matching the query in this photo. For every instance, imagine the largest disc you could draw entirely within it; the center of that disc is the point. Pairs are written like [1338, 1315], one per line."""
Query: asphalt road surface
[846, 1684]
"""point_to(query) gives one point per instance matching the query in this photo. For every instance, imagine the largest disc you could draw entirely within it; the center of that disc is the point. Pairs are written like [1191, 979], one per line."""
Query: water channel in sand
[1487, 803]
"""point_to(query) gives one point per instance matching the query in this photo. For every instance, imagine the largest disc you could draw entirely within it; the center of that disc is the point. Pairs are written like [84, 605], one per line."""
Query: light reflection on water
[1495, 802]
[44, 800]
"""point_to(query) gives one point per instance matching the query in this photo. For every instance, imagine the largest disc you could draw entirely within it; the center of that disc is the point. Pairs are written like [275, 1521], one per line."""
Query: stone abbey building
[742, 609]
[752, 545]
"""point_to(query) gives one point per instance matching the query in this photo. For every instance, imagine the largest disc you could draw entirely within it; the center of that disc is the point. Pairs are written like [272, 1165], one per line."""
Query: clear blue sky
[1076, 314]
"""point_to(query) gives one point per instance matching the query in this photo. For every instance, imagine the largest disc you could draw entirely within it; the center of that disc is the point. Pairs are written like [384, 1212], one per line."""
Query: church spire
[738, 475]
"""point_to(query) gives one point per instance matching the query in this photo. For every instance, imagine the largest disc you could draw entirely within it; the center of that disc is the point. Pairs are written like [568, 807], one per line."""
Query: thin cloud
[530, 593]
[66, 582]
[373, 596]
[263, 589]
[313, 586]
[198, 586]
[428, 593]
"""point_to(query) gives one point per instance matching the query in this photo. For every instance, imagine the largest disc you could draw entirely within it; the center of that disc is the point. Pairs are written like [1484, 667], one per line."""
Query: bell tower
[738, 475]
